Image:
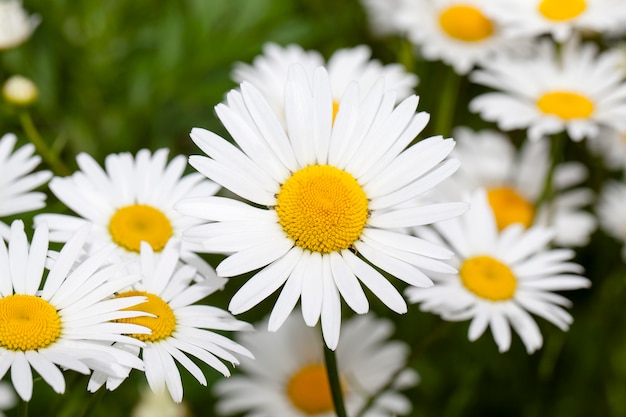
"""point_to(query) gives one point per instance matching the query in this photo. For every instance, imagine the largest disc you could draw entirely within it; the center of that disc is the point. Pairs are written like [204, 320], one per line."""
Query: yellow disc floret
[566, 105]
[322, 208]
[309, 390]
[562, 10]
[509, 207]
[28, 322]
[130, 225]
[488, 278]
[465, 23]
[162, 325]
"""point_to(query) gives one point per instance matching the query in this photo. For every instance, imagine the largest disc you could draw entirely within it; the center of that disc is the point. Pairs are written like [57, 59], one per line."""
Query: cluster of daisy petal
[326, 196]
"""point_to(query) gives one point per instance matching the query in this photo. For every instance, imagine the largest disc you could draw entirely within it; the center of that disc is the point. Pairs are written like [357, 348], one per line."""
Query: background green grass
[119, 75]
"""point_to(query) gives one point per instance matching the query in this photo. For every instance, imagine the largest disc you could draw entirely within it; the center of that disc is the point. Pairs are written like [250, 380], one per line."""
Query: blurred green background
[117, 75]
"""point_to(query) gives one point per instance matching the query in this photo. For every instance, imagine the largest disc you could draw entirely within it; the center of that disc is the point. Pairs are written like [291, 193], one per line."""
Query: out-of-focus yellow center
[566, 105]
[488, 278]
[509, 207]
[309, 390]
[130, 225]
[322, 208]
[28, 322]
[162, 326]
[465, 23]
[562, 10]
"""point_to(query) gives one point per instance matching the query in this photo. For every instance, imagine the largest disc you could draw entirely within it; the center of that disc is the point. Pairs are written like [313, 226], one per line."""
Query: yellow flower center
[465, 23]
[28, 322]
[322, 208]
[565, 105]
[131, 225]
[509, 207]
[162, 326]
[561, 10]
[488, 278]
[309, 390]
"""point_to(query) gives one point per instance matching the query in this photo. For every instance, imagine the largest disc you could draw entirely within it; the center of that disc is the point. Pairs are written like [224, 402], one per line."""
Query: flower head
[129, 202]
[503, 277]
[325, 197]
[179, 327]
[575, 89]
[288, 376]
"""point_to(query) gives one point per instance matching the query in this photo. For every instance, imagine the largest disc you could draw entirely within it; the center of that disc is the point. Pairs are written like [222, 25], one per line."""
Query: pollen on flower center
[335, 109]
[28, 322]
[509, 207]
[488, 278]
[465, 23]
[130, 225]
[162, 325]
[561, 10]
[309, 390]
[566, 105]
[322, 208]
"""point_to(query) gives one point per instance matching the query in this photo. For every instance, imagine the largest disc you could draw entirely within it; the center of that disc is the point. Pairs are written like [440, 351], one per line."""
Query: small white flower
[16, 25]
[17, 180]
[130, 201]
[561, 18]
[327, 199]
[288, 376]
[576, 89]
[503, 277]
[458, 32]
[178, 326]
[66, 323]
[268, 72]
[515, 180]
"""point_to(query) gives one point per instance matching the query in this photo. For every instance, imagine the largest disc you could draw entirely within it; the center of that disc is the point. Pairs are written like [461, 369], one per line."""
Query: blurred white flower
[16, 25]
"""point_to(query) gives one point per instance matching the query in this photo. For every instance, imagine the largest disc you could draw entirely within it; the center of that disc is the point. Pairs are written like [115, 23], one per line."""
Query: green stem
[447, 103]
[333, 380]
[46, 153]
[22, 408]
[557, 146]
[93, 401]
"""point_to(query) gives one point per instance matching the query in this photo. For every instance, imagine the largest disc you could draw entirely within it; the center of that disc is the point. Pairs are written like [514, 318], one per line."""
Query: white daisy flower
[503, 276]
[458, 32]
[288, 377]
[382, 16]
[16, 25]
[129, 202]
[610, 145]
[324, 197]
[178, 326]
[575, 89]
[17, 180]
[560, 18]
[67, 323]
[610, 202]
[515, 181]
[268, 72]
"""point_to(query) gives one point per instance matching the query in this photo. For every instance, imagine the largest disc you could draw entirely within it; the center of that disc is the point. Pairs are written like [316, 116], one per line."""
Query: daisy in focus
[129, 202]
[65, 324]
[459, 32]
[576, 89]
[326, 199]
[17, 180]
[560, 18]
[179, 327]
[268, 72]
[515, 181]
[16, 25]
[503, 277]
[609, 209]
[288, 377]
